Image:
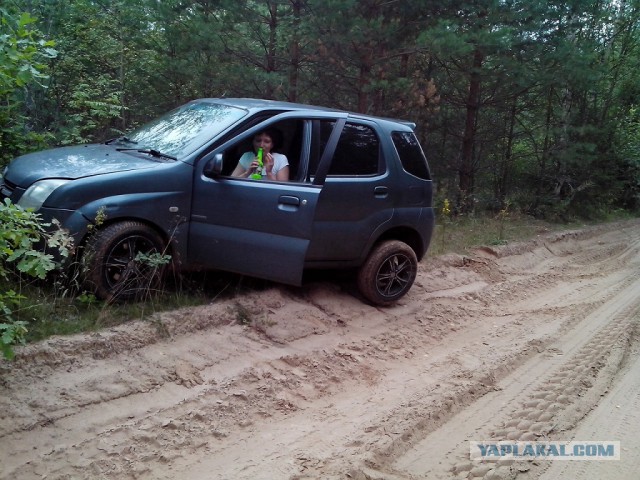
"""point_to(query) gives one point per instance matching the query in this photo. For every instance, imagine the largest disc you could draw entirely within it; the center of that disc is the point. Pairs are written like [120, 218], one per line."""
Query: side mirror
[213, 166]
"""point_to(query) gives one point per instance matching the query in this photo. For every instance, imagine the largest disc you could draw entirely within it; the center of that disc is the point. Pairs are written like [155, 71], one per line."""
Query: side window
[287, 142]
[357, 152]
[411, 154]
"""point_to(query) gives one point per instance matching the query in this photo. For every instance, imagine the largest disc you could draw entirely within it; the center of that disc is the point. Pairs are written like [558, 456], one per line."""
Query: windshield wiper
[148, 151]
[122, 139]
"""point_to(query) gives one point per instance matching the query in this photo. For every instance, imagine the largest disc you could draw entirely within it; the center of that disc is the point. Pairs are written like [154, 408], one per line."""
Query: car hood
[74, 162]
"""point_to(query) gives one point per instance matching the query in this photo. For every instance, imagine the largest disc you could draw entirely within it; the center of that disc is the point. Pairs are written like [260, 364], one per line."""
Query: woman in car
[275, 165]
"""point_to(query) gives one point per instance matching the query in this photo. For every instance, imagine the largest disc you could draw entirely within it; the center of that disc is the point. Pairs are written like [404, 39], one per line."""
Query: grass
[48, 314]
[459, 234]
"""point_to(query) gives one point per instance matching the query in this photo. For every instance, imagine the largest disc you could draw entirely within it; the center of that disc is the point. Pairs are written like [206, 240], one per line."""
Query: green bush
[24, 241]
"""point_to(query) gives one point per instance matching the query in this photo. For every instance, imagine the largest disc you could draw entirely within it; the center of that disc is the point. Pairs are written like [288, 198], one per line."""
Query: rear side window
[411, 154]
[357, 152]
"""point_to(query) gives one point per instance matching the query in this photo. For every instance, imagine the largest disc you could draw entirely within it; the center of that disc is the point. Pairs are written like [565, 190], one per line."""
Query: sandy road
[535, 341]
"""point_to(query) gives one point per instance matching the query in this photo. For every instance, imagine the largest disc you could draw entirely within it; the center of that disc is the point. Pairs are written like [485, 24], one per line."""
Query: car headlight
[37, 193]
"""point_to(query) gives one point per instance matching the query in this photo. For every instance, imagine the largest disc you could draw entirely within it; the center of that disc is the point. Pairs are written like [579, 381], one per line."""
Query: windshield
[186, 128]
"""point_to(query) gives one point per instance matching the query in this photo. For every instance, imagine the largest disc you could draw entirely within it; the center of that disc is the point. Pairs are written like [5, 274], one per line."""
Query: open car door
[254, 227]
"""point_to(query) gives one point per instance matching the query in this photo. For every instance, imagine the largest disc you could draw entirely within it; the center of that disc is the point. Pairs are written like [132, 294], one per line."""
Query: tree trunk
[542, 163]
[271, 49]
[363, 83]
[507, 159]
[466, 170]
[294, 68]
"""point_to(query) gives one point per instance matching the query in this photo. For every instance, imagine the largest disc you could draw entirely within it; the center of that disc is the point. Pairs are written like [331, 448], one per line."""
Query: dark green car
[358, 195]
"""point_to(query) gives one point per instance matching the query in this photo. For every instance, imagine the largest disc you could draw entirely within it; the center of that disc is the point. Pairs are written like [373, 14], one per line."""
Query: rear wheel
[388, 272]
[119, 263]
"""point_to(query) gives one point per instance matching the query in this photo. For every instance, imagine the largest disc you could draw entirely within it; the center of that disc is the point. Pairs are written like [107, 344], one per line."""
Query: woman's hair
[276, 137]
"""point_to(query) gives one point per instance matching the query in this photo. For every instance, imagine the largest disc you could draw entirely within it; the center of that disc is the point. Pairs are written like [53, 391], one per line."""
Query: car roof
[257, 104]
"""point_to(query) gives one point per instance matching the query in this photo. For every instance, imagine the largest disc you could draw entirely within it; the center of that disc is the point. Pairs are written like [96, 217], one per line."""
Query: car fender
[167, 212]
[401, 226]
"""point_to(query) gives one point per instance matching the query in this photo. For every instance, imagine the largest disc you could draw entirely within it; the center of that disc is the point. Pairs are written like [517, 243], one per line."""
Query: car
[358, 197]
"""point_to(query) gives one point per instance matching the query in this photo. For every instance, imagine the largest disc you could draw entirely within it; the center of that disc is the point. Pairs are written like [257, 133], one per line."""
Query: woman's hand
[253, 167]
[268, 162]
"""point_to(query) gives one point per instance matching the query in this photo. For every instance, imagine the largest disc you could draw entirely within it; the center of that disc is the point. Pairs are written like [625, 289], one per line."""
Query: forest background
[528, 105]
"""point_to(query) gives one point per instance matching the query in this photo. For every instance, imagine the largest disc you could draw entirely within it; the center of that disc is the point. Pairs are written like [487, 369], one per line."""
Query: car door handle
[289, 200]
[380, 192]
[289, 203]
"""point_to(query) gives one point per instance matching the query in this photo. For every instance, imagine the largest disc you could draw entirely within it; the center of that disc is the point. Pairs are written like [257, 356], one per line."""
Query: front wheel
[388, 272]
[124, 261]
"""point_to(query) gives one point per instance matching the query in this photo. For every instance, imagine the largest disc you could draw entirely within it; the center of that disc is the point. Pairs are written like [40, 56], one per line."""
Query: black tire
[111, 270]
[388, 273]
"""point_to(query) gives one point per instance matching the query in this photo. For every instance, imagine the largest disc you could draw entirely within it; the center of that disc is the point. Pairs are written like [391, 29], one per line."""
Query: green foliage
[22, 232]
[552, 81]
[153, 260]
[11, 334]
[627, 148]
[22, 52]
[86, 117]
[21, 64]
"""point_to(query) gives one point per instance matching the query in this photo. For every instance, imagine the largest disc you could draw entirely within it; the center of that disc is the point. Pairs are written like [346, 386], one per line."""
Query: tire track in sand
[328, 385]
[561, 389]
